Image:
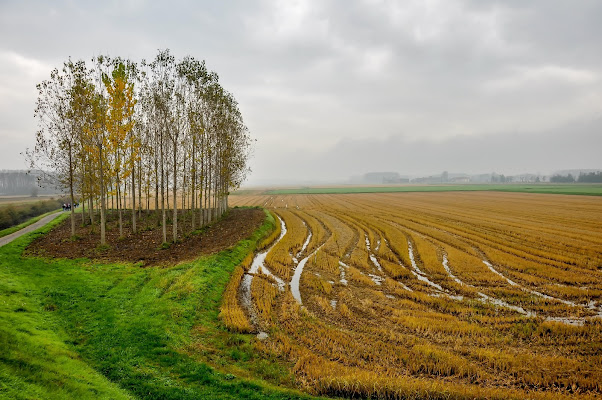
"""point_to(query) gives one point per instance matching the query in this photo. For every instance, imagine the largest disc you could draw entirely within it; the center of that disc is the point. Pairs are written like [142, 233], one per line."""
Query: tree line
[140, 136]
[591, 177]
[25, 183]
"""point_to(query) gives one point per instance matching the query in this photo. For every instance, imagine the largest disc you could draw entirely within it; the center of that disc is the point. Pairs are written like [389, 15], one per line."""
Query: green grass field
[578, 189]
[87, 330]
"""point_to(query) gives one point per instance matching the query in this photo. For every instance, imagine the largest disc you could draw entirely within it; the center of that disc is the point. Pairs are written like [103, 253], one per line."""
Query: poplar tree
[164, 128]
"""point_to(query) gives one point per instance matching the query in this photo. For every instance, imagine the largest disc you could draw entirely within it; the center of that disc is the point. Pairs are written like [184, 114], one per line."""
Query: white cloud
[524, 77]
[14, 62]
[282, 21]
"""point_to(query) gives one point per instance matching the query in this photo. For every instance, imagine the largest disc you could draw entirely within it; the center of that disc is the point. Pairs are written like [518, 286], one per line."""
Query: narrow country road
[9, 238]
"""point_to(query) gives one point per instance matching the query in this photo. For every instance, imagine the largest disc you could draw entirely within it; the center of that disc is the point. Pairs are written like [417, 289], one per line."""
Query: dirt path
[9, 238]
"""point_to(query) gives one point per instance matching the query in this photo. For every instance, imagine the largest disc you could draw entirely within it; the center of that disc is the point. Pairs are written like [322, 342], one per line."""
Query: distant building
[381, 177]
[481, 178]
[460, 179]
[398, 180]
[427, 179]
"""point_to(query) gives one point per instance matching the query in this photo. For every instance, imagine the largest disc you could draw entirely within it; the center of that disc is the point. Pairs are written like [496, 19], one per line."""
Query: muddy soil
[145, 247]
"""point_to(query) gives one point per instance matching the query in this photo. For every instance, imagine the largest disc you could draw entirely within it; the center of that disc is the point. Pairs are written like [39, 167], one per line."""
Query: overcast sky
[332, 89]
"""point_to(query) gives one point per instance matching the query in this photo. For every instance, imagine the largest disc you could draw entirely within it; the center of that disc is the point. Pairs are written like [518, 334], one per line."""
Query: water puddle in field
[297, 276]
[245, 294]
[376, 263]
[305, 244]
[592, 306]
[576, 321]
[495, 271]
[448, 270]
[342, 267]
[492, 300]
[378, 280]
[258, 262]
[449, 296]
[262, 336]
[258, 266]
[482, 296]
[534, 292]
[418, 273]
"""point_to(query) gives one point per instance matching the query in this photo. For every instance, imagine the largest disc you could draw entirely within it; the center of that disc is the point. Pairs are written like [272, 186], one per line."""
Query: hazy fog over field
[332, 89]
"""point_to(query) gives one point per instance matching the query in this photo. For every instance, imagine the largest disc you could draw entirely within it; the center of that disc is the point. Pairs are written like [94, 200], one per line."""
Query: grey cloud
[323, 77]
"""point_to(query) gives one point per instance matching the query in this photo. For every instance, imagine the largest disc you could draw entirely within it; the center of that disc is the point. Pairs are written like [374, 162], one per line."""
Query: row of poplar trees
[125, 135]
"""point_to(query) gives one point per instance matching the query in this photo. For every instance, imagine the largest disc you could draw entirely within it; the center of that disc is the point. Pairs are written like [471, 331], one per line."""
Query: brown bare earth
[145, 246]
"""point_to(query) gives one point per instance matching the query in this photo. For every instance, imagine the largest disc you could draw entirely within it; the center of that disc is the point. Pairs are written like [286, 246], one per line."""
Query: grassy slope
[581, 189]
[76, 329]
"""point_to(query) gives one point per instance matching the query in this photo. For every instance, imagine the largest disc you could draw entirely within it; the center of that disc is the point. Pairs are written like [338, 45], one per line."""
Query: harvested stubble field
[429, 295]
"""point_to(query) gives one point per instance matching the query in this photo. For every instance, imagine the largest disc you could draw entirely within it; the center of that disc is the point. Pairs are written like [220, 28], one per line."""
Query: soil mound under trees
[145, 245]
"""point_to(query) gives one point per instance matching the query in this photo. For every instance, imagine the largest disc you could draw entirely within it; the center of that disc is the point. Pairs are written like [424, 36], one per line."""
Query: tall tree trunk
[140, 188]
[183, 195]
[157, 185]
[83, 209]
[71, 189]
[193, 184]
[208, 194]
[119, 206]
[133, 187]
[103, 213]
[164, 227]
[167, 194]
[175, 187]
[91, 210]
[112, 197]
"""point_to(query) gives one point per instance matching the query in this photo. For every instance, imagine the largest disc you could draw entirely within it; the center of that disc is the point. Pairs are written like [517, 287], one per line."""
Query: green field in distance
[577, 189]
